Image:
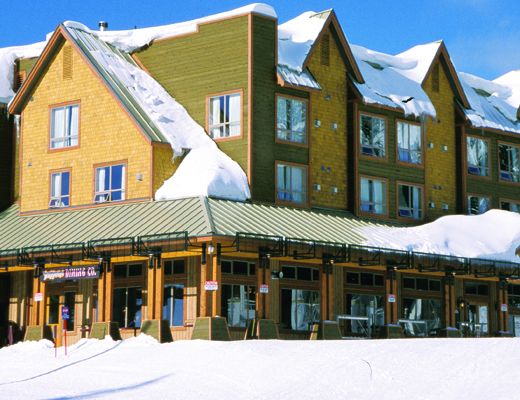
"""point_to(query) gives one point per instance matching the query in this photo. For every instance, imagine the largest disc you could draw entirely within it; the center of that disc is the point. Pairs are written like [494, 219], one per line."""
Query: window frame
[358, 136]
[50, 197]
[305, 190]
[469, 195]
[386, 202]
[422, 203]
[502, 200]
[124, 188]
[305, 101]
[517, 146]
[407, 163]
[466, 163]
[52, 107]
[240, 92]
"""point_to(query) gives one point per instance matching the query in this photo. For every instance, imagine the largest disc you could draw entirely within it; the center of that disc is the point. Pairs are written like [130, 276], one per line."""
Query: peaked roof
[298, 37]
[425, 56]
[511, 80]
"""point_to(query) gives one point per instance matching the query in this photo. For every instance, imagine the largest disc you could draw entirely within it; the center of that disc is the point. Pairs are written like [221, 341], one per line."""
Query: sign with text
[211, 285]
[503, 307]
[65, 312]
[391, 298]
[38, 296]
[264, 289]
[70, 273]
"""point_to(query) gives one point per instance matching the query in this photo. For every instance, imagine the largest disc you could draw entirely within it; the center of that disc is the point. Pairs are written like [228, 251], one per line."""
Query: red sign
[264, 289]
[211, 285]
[391, 298]
[38, 296]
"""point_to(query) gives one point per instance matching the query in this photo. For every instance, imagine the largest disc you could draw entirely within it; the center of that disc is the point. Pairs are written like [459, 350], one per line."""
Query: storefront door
[478, 317]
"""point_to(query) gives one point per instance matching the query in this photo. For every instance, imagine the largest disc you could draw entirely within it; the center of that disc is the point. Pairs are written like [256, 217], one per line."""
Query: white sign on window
[264, 289]
[391, 298]
[211, 285]
[503, 307]
[38, 296]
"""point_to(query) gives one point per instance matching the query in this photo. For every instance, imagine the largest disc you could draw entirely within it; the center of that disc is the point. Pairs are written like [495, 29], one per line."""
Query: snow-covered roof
[385, 84]
[297, 78]
[205, 169]
[297, 36]
[512, 80]
[423, 55]
[493, 235]
[490, 104]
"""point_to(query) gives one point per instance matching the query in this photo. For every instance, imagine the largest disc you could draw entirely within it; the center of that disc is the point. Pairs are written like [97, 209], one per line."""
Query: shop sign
[68, 273]
[503, 307]
[38, 296]
[65, 312]
[264, 289]
[211, 285]
[391, 298]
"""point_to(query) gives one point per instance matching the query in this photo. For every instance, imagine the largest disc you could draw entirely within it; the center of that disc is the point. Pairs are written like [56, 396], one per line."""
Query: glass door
[478, 319]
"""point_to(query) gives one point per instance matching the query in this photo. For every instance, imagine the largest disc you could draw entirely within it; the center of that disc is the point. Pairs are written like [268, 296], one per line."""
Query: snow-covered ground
[141, 368]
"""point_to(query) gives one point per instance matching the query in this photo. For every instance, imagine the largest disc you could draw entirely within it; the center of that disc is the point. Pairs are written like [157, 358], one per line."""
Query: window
[513, 297]
[477, 156]
[372, 139]
[110, 183]
[70, 302]
[127, 271]
[364, 278]
[292, 184]
[365, 312]
[421, 316]
[409, 143]
[512, 206]
[300, 309]
[173, 304]
[291, 120]
[174, 267]
[238, 268]
[126, 308]
[410, 201]
[475, 288]
[477, 205]
[301, 273]
[60, 190]
[432, 285]
[54, 309]
[64, 126]
[373, 196]
[224, 116]
[509, 160]
[238, 304]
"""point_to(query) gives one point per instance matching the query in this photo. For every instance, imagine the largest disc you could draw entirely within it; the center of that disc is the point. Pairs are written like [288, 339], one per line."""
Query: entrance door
[478, 319]
[4, 308]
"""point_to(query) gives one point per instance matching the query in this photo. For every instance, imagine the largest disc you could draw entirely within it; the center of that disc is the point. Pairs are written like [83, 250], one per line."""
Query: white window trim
[289, 192]
[57, 201]
[407, 149]
[410, 210]
[371, 182]
[108, 193]
[68, 140]
[286, 135]
[469, 164]
[226, 125]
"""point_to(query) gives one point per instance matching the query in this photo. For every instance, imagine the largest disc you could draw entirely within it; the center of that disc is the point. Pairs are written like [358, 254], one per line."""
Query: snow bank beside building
[493, 235]
[140, 368]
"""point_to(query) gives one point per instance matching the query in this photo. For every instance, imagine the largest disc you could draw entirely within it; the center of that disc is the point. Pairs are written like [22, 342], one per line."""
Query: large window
[373, 196]
[70, 302]
[238, 268]
[300, 309]
[173, 304]
[238, 304]
[54, 309]
[110, 183]
[509, 160]
[126, 308]
[291, 184]
[477, 205]
[60, 190]
[64, 126]
[365, 312]
[421, 316]
[477, 156]
[372, 136]
[410, 201]
[291, 119]
[508, 205]
[409, 143]
[224, 116]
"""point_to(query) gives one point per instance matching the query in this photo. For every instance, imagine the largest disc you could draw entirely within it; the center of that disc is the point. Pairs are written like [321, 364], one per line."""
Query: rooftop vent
[103, 26]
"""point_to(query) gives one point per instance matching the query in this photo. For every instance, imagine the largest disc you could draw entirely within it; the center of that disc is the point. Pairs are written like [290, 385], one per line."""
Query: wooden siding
[163, 165]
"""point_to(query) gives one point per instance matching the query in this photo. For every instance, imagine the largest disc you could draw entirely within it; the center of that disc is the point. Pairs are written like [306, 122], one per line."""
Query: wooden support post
[324, 292]
[216, 275]
[108, 291]
[101, 295]
[203, 301]
[42, 309]
[150, 288]
[330, 311]
[260, 297]
[503, 316]
[267, 296]
[391, 289]
[33, 320]
[159, 288]
[449, 300]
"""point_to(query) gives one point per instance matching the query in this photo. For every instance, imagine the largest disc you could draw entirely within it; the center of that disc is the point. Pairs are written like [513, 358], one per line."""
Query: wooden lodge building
[327, 153]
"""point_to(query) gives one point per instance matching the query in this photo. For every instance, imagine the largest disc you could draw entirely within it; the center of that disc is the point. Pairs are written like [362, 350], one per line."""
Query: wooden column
[260, 280]
[391, 288]
[449, 300]
[42, 309]
[216, 275]
[101, 295]
[159, 287]
[203, 310]
[502, 298]
[33, 320]
[150, 290]
[330, 311]
[108, 275]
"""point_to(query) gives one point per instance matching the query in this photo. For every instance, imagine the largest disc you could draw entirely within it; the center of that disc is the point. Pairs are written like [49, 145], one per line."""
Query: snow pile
[133, 39]
[8, 56]
[371, 369]
[297, 36]
[493, 235]
[205, 170]
[385, 84]
[511, 80]
[423, 56]
[490, 104]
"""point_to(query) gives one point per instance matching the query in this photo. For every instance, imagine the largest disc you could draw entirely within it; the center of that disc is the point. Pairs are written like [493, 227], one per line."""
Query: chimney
[103, 26]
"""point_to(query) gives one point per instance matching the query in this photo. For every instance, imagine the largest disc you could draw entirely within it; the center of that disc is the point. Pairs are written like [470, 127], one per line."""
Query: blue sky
[482, 36]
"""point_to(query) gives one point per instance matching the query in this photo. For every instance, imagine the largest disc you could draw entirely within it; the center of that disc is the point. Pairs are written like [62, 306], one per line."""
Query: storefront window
[70, 302]
[421, 316]
[173, 305]
[238, 304]
[514, 325]
[478, 319]
[126, 308]
[54, 309]
[300, 309]
[364, 313]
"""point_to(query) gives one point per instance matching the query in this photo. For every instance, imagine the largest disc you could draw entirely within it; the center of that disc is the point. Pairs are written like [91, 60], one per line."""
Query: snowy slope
[493, 235]
[140, 368]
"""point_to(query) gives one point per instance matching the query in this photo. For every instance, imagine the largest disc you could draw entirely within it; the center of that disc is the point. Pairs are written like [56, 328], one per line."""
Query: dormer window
[64, 126]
